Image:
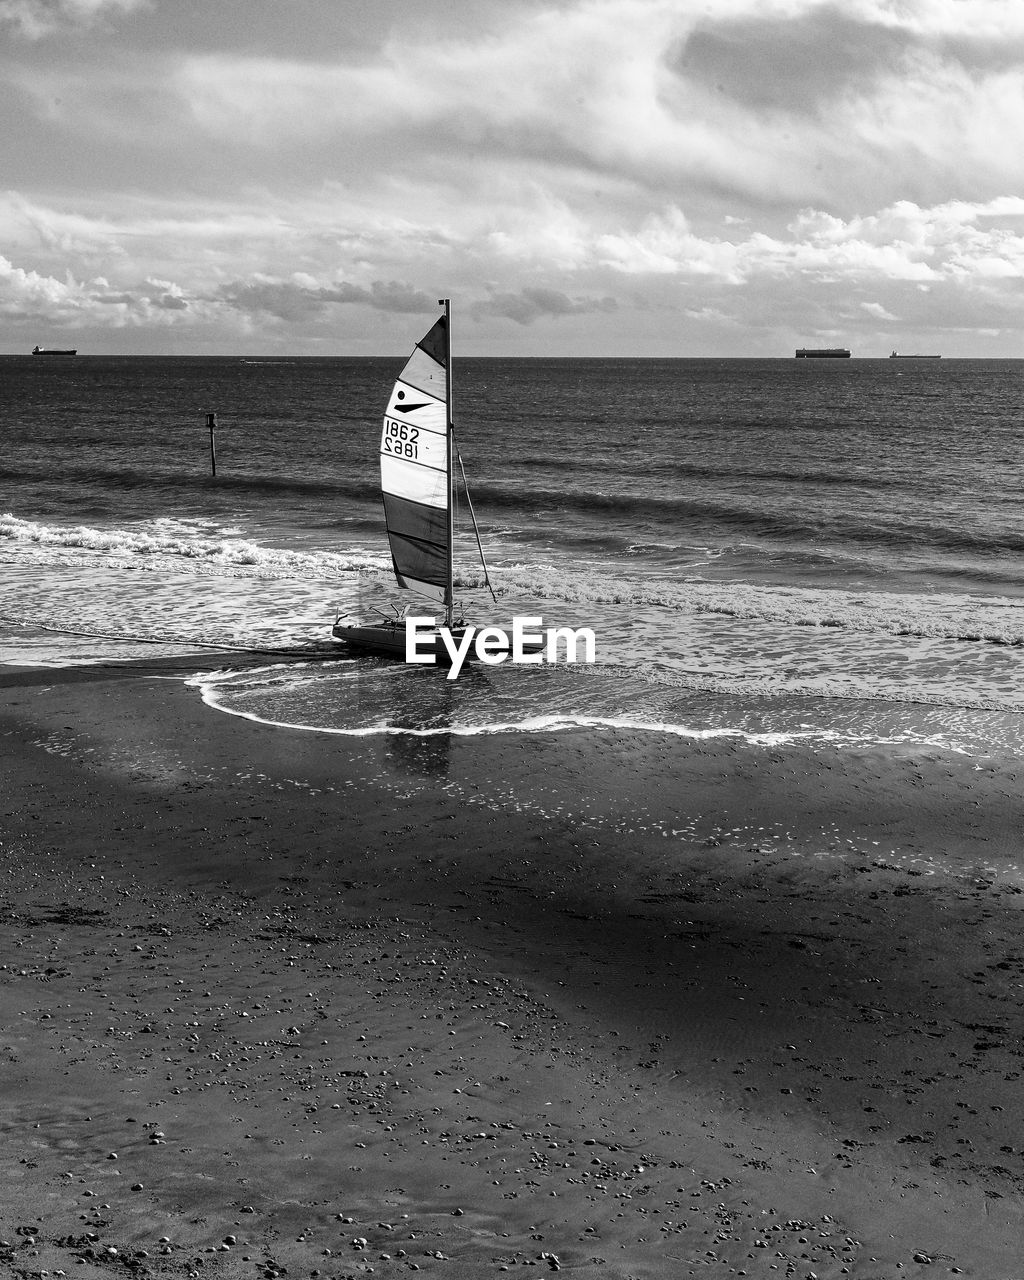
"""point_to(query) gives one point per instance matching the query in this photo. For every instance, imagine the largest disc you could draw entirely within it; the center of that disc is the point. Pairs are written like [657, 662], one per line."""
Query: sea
[774, 550]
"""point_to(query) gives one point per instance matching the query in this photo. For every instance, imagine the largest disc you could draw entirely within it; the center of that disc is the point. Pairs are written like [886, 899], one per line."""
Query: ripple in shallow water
[369, 696]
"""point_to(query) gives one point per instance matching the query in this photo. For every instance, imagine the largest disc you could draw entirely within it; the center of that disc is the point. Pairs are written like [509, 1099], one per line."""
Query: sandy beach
[615, 1004]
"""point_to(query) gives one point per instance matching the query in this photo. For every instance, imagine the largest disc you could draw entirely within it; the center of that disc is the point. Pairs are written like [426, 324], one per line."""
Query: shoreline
[630, 998]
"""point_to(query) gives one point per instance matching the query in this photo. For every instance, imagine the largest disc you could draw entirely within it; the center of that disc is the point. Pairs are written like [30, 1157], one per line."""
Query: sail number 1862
[400, 439]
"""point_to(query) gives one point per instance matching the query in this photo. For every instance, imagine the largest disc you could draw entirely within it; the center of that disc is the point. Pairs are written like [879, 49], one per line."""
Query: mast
[449, 594]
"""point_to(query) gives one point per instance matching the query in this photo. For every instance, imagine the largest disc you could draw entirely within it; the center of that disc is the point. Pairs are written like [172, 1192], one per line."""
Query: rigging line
[476, 527]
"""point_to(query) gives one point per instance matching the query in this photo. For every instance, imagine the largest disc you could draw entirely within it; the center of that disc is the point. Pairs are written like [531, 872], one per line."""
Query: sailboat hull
[388, 640]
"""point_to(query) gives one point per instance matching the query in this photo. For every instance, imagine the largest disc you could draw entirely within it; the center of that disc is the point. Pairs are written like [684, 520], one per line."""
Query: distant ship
[54, 351]
[898, 355]
[822, 353]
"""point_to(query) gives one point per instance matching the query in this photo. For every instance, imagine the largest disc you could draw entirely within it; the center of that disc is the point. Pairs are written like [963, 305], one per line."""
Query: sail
[414, 468]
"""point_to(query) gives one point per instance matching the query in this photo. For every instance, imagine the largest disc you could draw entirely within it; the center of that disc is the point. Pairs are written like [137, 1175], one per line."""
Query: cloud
[302, 299]
[754, 165]
[36, 19]
[27, 293]
[968, 256]
[665, 245]
[876, 310]
[766, 105]
[904, 242]
[792, 63]
[785, 101]
[530, 304]
[810, 58]
[29, 297]
[166, 294]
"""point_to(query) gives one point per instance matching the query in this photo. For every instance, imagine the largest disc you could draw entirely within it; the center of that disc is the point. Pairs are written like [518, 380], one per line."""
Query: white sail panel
[414, 483]
[426, 372]
[415, 429]
[417, 408]
[409, 444]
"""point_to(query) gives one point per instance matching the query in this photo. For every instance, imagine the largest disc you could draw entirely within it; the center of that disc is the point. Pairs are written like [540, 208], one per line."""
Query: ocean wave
[362, 486]
[621, 465]
[753, 518]
[202, 549]
[220, 555]
[829, 516]
[218, 687]
[951, 617]
[357, 698]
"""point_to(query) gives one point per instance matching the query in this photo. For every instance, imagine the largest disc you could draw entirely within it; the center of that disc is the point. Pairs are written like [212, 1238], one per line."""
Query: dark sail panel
[435, 343]
[419, 540]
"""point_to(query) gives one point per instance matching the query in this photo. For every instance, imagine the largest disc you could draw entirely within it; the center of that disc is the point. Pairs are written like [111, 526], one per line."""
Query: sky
[580, 177]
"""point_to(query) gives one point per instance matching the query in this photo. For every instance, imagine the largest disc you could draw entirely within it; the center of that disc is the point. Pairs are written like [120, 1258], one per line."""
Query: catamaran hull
[385, 640]
[389, 641]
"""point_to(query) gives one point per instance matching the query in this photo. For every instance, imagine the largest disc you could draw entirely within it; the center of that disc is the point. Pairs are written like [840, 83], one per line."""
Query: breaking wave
[164, 541]
[206, 550]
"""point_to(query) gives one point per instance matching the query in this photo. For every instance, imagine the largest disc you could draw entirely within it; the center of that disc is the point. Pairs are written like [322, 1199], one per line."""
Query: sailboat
[417, 452]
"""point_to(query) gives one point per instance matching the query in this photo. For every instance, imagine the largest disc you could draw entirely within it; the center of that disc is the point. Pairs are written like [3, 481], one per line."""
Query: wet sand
[621, 1005]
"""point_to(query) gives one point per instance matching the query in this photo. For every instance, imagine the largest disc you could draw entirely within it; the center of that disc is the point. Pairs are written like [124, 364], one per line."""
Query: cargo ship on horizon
[898, 355]
[822, 353]
[54, 351]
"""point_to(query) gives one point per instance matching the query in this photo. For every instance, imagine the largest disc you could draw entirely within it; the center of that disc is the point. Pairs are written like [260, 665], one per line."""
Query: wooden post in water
[211, 422]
